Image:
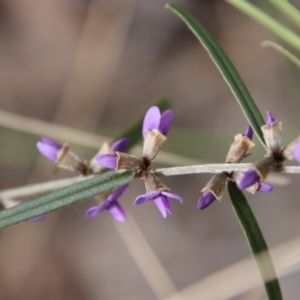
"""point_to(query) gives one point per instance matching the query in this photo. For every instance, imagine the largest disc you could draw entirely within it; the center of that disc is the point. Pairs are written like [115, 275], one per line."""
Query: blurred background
[96, 66]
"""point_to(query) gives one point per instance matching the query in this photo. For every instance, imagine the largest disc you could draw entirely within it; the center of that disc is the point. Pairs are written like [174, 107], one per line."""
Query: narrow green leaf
[290, 11]
[268, 22]
[64, 197]
[134, 133]
[256, 241]
[226, 68]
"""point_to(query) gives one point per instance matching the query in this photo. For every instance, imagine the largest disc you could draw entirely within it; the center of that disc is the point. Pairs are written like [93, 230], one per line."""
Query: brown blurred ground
[97, 66]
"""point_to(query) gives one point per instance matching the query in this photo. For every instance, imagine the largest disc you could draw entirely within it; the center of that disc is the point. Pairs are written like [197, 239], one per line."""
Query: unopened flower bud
[251, 180]
[96, 167]
[61, 155]
[206, 199]
[216, 185]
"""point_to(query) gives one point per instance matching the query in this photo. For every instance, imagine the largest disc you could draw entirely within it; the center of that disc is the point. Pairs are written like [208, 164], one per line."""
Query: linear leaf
[256, 241]
[226, 68]
[64, 197]
[134, 133]
[285, 33]
[286, 8]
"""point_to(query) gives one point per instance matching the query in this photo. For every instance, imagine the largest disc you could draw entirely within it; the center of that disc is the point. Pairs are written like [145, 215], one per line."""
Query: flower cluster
[238, 151]
[66, 159]
[275, 156]
[155, 128]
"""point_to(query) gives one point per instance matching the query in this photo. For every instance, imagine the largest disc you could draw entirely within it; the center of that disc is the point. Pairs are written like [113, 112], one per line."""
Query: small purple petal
[117, 193]
[167, 205]
[151, 120]
[165, 122]
[118, 212]
[94, 211]
[270, 118]
[297, 151]
[264, 187]
[249, 132]
[50, 142]
[120, 144]
[107, 160]
[171, 195]
[249, 178]
[38, 218]
[163, 205]
[146, 197]
[48, 151]
[207, 199]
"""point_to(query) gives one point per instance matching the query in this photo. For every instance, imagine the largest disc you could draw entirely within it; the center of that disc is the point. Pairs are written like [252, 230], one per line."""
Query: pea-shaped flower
[110, 204]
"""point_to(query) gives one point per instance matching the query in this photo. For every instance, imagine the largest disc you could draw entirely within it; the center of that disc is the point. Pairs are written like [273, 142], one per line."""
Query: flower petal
[117, 193]
[120, 144]
[151, 120]
[270, 118]
[94, 211]
[48, 151]
[249, 178]
[163, 205]
[172, 195]
[50, 142]
[118, 212]
[264, 187]
[167, 205]
[146, 197]
[297, 151]
[107, 160]
[207, 199]
[165, 122]
[249, 132]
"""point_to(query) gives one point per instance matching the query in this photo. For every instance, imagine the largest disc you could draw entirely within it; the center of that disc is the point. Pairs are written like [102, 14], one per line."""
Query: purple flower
[120, 145]
[49, 148]
[270, 118]
[207, 199]
[107, 160]
[111, 204]
[110, 160]
[249, 132]
[264, 187]
[154, 121]
[160, 199]
[250, 178]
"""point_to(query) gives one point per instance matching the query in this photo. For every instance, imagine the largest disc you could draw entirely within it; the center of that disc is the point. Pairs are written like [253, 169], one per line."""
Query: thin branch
[44, 187]
[207, 168]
